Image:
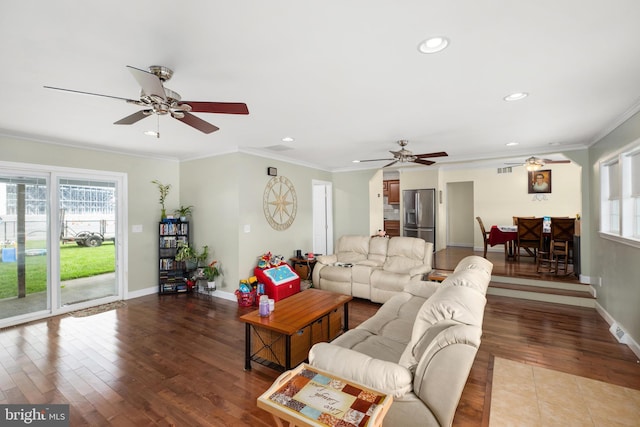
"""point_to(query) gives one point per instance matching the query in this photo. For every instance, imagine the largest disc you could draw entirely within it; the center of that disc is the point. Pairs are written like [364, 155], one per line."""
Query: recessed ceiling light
[433, 44]
[288, 139]
[511, 144]
[516, 96]
[355, 161]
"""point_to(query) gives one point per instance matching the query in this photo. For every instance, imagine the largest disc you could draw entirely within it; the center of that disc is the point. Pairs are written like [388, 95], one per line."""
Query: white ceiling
[343, 77]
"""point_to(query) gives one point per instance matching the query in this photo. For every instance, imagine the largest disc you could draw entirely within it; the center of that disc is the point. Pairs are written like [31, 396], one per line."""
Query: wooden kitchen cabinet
[394, 191]
[392, 228]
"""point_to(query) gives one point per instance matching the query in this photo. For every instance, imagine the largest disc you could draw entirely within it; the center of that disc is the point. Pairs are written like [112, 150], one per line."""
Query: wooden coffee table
[283, 339]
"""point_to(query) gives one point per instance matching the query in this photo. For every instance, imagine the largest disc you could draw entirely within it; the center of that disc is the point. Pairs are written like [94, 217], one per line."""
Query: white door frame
[322, 201]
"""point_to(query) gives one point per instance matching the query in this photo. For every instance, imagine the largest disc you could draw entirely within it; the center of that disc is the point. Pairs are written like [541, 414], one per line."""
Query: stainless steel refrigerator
[420, 214]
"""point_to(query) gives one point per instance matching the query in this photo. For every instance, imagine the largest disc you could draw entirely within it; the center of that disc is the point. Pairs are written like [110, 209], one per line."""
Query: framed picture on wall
[539, 181]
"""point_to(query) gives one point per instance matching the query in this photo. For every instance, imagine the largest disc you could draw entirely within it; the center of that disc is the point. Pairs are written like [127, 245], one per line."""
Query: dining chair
[561, 247]
[485, 235]
[515, 219]
[529, 236]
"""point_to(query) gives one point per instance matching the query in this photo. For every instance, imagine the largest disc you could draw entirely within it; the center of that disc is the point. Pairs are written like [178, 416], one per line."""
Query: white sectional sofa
[380, 266]
[419, 346]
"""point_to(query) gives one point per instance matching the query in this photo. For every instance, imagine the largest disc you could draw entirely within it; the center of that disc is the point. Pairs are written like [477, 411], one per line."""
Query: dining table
[507, 235]
[504, 235]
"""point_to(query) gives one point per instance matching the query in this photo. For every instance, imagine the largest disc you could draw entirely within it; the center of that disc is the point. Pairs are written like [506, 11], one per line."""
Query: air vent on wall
[619, 333]
[505, 170]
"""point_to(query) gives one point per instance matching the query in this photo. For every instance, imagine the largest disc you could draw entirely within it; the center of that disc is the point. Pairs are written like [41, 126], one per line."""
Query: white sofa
[382, 266]
[419, 346]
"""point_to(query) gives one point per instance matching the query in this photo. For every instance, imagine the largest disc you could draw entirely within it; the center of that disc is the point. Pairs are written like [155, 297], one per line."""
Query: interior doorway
[460, 220]
[322, 194]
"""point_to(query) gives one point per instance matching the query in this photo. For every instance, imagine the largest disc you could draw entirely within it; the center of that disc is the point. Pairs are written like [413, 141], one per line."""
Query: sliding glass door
[60, 241]
[24, 269]
[87, 224]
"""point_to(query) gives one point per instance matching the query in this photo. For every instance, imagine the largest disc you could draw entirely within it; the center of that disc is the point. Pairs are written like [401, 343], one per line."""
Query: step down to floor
[576, 294]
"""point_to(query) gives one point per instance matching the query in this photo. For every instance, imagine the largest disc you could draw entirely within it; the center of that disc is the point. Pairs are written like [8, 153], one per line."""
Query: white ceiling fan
[405, 156]
[536, 163]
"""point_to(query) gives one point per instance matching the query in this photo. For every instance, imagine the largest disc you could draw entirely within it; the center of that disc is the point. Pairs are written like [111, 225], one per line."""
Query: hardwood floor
[179, 359]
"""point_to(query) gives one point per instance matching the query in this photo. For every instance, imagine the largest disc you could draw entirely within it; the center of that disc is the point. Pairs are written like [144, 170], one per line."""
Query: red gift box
[279, 282]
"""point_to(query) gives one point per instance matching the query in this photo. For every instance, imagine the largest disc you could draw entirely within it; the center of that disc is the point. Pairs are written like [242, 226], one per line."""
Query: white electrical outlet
[600, 281]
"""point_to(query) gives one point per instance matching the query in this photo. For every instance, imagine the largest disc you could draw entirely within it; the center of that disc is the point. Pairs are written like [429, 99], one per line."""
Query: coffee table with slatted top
[283, 339]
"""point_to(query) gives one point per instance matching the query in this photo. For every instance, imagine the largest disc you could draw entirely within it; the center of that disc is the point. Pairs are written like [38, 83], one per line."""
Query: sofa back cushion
[474, 262]
[378, 249]
[472, 278]
[352, 248]
[442, 371]
[405, 253]
[447, 307]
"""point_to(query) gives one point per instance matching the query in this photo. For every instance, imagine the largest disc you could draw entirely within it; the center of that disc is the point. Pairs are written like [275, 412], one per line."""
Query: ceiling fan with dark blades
[159, 100]
[536, 163]
[405, 156]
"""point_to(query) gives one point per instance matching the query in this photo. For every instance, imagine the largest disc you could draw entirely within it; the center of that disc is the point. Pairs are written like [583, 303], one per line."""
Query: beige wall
[351, 203]
[499, 197]
[227, 192]
[616, 264]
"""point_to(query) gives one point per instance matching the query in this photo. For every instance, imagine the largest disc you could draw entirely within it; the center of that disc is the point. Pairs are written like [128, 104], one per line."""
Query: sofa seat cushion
[387, 377]
[388, 281]
[395, 319]
[336, 274]
[375, 346]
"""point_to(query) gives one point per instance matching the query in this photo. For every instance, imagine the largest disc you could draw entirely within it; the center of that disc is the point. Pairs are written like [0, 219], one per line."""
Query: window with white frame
[620, 191]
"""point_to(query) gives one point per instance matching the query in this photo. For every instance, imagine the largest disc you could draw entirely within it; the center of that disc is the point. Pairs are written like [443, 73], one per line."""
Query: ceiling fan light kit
[159, 100]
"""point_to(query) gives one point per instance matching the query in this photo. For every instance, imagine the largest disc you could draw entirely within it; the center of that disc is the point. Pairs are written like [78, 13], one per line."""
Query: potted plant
[164, 192]
[183, 212]
[210, 272]
[191, 257]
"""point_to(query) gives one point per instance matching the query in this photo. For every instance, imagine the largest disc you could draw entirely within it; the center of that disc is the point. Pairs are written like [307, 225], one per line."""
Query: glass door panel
[87, 222]
[23, 245]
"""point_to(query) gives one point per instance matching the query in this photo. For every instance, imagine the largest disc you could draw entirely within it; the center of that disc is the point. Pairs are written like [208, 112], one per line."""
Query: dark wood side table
[303, 267]
[438, 275]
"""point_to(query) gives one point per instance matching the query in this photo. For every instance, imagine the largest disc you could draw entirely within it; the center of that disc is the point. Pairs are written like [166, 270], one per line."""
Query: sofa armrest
[419, 270]
[327, 259]
[387, 377]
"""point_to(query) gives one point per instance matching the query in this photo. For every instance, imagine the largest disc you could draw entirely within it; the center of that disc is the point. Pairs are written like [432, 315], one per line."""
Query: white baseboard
[141, 292]
[154, 290]
[629, 341]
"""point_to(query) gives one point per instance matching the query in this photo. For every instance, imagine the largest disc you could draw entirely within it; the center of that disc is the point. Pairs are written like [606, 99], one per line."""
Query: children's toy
[279, 282]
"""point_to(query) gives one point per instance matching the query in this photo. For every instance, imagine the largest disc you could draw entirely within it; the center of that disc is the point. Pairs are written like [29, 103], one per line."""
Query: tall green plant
[164, 192]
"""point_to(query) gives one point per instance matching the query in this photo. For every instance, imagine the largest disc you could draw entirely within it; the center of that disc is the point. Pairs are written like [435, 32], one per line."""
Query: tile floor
[525, 395]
